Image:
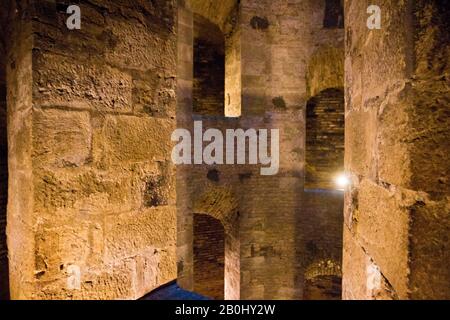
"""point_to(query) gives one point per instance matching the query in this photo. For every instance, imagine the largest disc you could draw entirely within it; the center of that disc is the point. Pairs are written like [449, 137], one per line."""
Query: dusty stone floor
[173, 292]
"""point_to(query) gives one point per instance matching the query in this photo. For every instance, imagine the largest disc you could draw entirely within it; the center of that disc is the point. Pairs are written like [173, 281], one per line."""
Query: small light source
[342, 181]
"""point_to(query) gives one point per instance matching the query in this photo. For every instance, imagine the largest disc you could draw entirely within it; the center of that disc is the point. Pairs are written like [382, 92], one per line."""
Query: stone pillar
[184, 120]
[396, 241]
[92, 208]
[273, 97]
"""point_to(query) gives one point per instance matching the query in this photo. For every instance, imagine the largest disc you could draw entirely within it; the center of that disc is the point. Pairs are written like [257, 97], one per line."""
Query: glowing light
[342, 181]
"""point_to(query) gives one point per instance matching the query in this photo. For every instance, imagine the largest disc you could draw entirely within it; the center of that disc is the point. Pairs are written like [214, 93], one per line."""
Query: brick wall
[320, 234]
[209, 256]
[324, 139]
[277, 40]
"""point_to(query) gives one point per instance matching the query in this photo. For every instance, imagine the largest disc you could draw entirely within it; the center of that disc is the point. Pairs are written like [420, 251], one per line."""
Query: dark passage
[209, 69]
[325, 125]
[323, 288]
[209, 257]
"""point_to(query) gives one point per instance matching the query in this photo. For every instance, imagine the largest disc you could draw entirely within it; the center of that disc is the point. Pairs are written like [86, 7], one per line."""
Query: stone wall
[4, 276]
[396, 211]
[92, 201]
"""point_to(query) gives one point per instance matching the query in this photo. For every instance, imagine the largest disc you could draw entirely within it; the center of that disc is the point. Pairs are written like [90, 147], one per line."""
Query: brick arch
[220, 203]
[325, 70]
[324, 267]
[325, 138]
[323, 280]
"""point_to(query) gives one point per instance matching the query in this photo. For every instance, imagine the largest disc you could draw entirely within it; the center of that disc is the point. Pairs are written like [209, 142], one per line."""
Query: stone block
[353, 269]
[383, 230]
[63, 81]
[123, 140]
[61, 138]
[130, 234]
[360, 141]
[394, 161]
[141, 49]
[430, 250]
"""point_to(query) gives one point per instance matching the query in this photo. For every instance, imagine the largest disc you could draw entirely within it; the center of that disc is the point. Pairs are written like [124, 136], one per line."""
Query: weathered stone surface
[129, 234]
[360, 140]
[396, 92]
[91, 113]
[60, 81]
[383, 218]
[430, 227]
[61, 138]
[121, 140]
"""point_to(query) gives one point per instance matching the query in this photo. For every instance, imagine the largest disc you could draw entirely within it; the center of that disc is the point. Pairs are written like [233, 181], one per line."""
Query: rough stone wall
[92, 201]
[4, 273]
[209, 256]
[209, 68]
[325, 125]
[19, 102]
[396, 211]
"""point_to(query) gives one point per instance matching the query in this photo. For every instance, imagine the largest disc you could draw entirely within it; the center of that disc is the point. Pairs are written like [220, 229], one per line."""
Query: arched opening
[4, 273]
[209, 257]
[209, 68]
[323, 288]
[323, 197]
[325, 127]
[334, 14]
[323, 282]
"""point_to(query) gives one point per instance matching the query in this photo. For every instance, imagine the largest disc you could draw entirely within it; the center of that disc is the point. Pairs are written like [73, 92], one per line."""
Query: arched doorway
[209, 68]
[209, 257]
[216, 244]
[325, 126]
[323, 281]
[323, 199]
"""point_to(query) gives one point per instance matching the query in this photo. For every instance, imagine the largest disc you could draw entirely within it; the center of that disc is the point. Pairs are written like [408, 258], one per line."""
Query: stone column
[92, 210]
[396, 242]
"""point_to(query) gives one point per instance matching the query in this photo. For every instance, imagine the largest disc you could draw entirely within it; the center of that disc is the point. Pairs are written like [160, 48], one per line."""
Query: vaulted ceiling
[217, 11]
